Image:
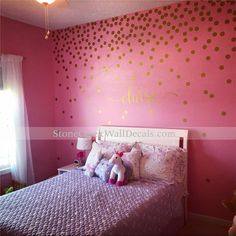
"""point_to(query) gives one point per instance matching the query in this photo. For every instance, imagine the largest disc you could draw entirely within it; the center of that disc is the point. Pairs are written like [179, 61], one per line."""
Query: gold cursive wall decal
[139, 97]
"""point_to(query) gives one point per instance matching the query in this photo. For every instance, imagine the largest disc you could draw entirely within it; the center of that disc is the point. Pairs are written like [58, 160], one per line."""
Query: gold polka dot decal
[187, 59]
[184, 120]
[209, 41]
[178, 76]
[187, 42]
[211, 95]
[221, 67]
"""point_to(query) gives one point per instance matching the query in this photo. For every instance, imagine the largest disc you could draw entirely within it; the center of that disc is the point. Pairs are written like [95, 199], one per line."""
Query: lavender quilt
[75, 204]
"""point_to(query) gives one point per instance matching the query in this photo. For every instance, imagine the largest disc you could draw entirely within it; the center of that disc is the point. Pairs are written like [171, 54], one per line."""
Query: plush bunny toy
[118, 169]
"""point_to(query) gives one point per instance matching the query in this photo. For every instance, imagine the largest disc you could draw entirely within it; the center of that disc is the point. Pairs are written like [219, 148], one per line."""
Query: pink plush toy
[118, 169]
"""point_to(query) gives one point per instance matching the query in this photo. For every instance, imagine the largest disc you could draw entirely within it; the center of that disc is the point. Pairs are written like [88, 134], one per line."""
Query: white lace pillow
[163, 162]
[132, 159]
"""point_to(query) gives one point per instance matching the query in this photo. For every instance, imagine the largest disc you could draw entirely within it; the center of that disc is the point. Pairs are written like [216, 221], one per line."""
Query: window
[7, 130]
[15, 151]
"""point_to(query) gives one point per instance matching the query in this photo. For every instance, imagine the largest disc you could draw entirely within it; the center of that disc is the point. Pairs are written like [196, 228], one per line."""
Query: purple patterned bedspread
[75, 204]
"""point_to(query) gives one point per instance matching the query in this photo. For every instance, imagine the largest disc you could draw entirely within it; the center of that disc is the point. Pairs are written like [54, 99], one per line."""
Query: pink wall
[167, 67]
[28, 41]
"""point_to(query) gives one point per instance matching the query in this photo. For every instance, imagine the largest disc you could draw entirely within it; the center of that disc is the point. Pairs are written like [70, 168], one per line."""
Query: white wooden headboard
[171, 137]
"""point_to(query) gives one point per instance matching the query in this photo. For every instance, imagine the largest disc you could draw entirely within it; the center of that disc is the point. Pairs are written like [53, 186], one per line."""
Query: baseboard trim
[210, 219]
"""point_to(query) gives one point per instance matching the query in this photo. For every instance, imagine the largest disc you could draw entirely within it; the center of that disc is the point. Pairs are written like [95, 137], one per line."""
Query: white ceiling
[64, 13]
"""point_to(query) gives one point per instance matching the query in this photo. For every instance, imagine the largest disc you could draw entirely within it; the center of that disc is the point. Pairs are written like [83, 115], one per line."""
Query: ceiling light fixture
[46, 18]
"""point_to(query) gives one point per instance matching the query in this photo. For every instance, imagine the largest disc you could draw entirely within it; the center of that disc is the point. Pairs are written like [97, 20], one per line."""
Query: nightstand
[67, 168]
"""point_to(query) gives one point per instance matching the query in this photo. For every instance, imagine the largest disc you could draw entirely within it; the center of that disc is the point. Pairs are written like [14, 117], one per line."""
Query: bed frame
[171, 137]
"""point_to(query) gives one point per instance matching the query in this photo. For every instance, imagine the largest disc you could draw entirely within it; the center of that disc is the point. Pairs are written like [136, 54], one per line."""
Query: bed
[75, 204]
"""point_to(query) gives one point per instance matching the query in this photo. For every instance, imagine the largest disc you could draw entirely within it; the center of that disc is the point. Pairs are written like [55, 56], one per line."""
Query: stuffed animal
[117, 170]
[231, 205]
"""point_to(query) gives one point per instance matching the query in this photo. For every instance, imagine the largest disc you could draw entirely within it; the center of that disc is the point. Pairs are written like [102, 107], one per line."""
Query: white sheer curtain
[21, 158]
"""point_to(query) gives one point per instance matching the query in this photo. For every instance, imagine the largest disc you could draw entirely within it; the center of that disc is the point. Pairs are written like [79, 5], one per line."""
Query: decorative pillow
[103, 170]
[93, 159]
[165, 162]
[145, 148]
[132, 159]
[108, 148]
[128, 170]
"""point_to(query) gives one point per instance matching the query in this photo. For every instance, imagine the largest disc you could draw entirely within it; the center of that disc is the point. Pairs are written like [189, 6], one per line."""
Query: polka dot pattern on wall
[185, 48]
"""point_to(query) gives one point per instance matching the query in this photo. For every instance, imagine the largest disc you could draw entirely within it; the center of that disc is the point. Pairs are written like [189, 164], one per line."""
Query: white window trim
[4, 171]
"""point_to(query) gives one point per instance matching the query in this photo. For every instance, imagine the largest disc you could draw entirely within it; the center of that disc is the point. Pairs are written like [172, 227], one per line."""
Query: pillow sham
[103, 170]
[108, 148]
[132, 159]
[163, 162]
